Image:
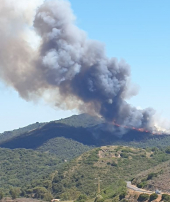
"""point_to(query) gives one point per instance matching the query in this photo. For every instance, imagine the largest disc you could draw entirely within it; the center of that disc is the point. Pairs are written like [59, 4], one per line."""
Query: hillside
[21, 167]
[64, 148]
[42, 175]
[7, 135]
[113, 164]
[82, 120]
[154, 178]
[70, 137]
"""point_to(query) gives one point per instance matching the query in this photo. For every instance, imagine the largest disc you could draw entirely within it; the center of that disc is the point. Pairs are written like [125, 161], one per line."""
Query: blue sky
[136, 31]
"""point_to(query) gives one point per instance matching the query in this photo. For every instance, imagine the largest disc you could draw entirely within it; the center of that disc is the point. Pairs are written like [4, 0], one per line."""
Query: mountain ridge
[84, 130]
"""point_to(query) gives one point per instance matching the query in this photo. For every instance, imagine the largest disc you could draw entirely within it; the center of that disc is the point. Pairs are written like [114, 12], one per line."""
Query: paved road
[134, 188]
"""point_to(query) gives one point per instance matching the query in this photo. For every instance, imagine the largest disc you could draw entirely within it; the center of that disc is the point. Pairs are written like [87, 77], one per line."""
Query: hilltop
[74, 135]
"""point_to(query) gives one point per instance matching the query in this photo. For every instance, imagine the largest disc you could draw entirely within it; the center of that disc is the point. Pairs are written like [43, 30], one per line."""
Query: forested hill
[23, 167]
[113, 164]
[17, 132]
[38, 174]
[72, 136]
[82, 120]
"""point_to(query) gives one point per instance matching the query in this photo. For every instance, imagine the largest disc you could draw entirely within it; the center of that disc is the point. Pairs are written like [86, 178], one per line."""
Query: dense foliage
[83, 128]
[165, 198]
[153, 197]
[22, 168]
[143, 197]
[40, 175]
[64, 148]
[111, 165]
[17, 132]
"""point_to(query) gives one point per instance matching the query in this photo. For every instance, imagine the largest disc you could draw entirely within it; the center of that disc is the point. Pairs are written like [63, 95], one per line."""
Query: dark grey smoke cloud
[73, 67]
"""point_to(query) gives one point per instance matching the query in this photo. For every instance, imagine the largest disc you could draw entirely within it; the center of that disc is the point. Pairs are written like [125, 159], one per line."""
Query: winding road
[134, 188]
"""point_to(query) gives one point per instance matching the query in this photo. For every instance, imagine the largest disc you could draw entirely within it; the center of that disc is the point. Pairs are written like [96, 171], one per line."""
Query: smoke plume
[65, 63]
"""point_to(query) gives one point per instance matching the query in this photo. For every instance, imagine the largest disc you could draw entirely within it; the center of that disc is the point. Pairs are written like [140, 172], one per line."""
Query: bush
[39, 192]
[143, 197]
[48, 196]
[124, 155]
[142, 184]
[153, 197]
[115, 199]
[113, 163]
[122, 195]
[82, 198]
[165, 197]
[151, 175]
[167, 150]
[1, 195]
[14, 192]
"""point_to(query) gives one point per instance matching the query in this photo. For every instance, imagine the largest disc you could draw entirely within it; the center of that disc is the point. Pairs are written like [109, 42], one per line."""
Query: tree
[39, 192]
[1, 194]
[153, 197]
[14, 192]
[48, 196]
[99, 198]
[70, 194]
[115, 199]
[82, 198]
[143, 197]
[167, 150]
[165, 197]
[151, 175]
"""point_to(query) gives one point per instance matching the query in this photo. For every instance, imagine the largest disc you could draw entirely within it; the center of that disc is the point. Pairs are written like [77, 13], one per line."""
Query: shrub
[48, 197]
[165, 197]
[14, 192]
[167, 150]
[122, 195]
[124, 155]
[1, 195]
[151, 175]
[153, 197]
[143, 197]
[115, 199]
[142, 184]
[82, 198]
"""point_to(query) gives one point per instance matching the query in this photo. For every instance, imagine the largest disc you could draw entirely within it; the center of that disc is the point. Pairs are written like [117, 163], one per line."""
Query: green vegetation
[14, 192]
[64, 148]
[153, 197]
[82, 120]
[142, 184]
[165, 198]
[80, 128]
[7, 135]
[1, 194]
[99, 198]
[80, 173]
[143, 197]
[167, 150]
[82, 198]
[25, 168]
[151, 175]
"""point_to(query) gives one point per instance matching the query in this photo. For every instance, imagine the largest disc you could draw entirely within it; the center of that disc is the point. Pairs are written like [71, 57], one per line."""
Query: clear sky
[137, 31]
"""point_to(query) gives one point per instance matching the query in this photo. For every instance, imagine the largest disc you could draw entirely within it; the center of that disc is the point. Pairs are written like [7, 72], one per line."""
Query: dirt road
[134, 188]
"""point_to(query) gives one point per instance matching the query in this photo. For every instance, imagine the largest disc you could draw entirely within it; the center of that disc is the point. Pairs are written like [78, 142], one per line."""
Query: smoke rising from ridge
[66, 63]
